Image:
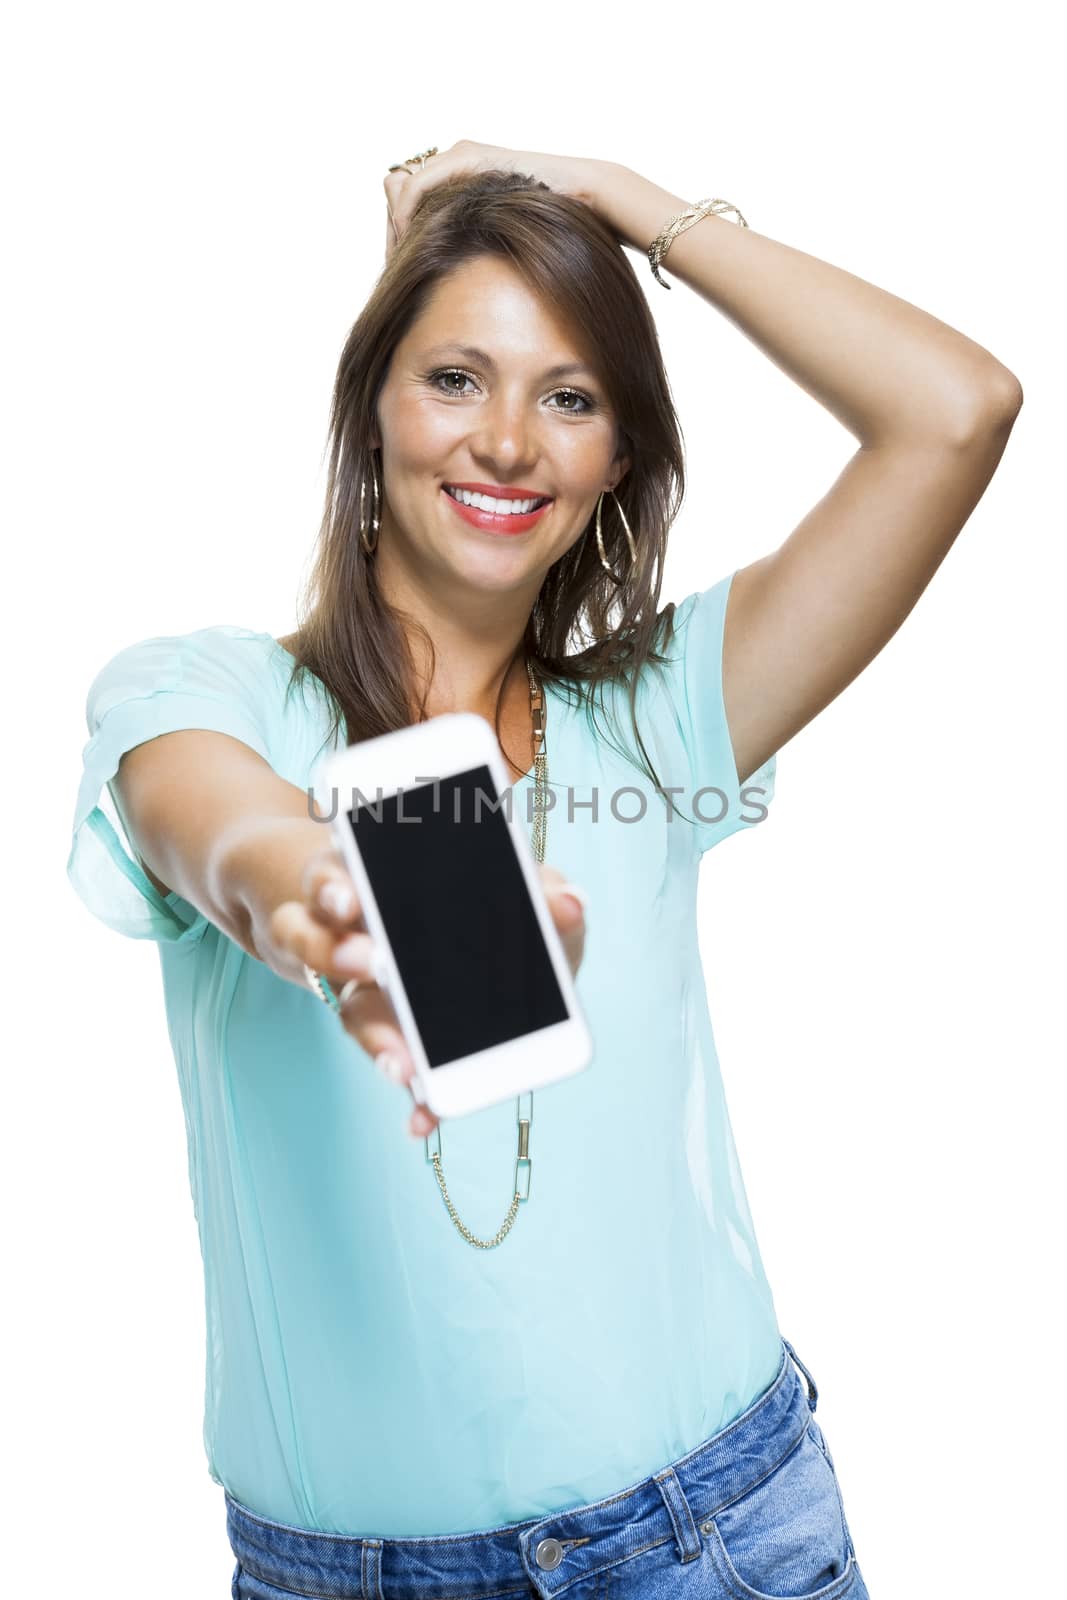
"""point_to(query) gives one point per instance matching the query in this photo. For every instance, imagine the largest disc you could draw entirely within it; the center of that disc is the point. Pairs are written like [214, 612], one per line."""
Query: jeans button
[549, 1554]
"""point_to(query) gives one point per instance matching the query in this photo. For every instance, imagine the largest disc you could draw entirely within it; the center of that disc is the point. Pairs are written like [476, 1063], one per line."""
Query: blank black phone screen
[458, 914]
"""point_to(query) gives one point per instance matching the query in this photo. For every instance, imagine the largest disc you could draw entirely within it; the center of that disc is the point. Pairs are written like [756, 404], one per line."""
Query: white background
[197, 216]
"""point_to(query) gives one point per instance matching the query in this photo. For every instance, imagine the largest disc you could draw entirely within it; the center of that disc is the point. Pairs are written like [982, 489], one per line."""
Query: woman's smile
[506, 512]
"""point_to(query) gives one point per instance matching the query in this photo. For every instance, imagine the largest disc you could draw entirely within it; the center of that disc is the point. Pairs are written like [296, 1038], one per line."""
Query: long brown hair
[348, 637]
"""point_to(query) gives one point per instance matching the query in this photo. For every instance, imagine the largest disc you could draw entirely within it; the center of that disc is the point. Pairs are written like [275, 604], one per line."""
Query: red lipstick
[504, 522]
[500, 491]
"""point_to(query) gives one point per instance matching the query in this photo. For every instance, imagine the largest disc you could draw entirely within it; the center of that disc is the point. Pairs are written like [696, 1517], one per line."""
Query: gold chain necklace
[523, 1162]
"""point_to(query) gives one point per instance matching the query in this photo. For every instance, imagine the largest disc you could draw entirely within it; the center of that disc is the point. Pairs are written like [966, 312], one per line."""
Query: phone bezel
[409, 757]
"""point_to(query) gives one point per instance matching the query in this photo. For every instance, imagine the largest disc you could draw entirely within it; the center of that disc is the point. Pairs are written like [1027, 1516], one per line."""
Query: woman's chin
[494, 572]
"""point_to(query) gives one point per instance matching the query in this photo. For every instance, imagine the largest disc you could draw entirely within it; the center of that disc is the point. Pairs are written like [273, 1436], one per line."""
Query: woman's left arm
[932, 411]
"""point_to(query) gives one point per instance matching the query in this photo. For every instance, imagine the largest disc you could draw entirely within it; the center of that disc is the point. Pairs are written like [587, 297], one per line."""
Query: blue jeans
[754, 1511]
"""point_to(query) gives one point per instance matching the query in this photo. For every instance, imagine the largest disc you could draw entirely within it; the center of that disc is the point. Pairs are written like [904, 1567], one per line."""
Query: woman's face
[489, 389]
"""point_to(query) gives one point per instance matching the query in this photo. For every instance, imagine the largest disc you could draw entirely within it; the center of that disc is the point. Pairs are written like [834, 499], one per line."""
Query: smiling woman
[390, 1411]
[499, 292]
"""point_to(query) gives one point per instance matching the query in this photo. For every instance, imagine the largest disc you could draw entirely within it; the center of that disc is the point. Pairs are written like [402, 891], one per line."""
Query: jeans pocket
[786, 1538]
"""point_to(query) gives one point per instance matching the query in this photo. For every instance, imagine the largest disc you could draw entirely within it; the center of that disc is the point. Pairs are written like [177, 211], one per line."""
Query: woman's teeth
[486, 502]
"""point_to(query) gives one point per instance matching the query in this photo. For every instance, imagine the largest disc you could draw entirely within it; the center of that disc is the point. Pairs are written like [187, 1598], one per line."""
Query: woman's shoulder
[222, 633]
[216, 635]
[214, 659]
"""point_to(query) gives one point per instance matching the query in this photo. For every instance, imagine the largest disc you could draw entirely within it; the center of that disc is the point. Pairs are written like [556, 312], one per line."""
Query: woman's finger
[405, 187]
[370, 1019]
[421, 1122]
[567, 903]
[339, 953]
[329, 893]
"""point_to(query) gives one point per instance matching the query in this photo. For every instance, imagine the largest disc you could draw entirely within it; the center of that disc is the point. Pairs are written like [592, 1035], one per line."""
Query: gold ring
[422, 158]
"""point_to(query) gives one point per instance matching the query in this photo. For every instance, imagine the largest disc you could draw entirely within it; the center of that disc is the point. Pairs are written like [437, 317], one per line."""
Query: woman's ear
[620, 468]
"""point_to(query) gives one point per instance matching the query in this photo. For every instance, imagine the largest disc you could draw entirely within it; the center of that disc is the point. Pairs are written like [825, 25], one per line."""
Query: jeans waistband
[548, 1552]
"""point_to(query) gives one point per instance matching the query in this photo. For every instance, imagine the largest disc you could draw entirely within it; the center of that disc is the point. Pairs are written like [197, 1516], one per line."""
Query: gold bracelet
[679, 224]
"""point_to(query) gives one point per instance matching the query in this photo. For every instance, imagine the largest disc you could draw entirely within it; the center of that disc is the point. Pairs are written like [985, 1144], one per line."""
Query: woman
[594, 1397]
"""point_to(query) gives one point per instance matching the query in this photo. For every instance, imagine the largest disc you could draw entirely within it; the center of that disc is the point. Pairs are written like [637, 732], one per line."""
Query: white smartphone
[451, 894]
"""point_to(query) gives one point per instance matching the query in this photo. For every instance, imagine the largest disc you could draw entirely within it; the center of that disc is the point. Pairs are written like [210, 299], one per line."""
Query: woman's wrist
[633, 207]
[263, 866]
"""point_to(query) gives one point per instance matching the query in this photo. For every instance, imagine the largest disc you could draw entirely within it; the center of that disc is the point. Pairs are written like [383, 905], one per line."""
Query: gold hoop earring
[600, 538]
[376, 509]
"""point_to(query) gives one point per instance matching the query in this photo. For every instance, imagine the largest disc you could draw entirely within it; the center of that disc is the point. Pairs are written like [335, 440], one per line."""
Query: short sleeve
[214, 678]
[719, 804]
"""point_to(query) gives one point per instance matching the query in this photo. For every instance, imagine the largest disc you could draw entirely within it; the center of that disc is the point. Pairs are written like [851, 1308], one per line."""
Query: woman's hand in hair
[575, 176]
[326, 930]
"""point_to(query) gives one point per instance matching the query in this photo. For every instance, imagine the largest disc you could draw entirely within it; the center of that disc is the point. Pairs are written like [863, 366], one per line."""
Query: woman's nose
[506, 435]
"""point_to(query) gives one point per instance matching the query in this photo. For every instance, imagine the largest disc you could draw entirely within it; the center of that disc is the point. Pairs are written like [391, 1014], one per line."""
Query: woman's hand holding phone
[327, 931]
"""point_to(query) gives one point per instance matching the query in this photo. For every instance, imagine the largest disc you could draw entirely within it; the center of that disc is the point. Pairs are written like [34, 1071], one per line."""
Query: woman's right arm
[209, 817]
[213, 821]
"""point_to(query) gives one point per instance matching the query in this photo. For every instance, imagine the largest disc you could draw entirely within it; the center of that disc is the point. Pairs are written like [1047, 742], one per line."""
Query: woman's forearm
[886, 370]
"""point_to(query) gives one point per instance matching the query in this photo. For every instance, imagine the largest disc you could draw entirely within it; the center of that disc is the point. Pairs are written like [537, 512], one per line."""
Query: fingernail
[421, 1124]
[351, 953]
[336, 897]
[575, 893]
[390, 1065]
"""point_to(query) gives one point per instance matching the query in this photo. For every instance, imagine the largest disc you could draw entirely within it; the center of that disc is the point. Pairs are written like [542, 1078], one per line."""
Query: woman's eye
[450, 373]
[572, 394]
[450, 380]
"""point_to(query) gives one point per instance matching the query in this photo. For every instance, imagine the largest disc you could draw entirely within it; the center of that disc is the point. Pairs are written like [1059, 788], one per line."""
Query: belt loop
[371, 1585]
[813, 1393]
[685, 1530]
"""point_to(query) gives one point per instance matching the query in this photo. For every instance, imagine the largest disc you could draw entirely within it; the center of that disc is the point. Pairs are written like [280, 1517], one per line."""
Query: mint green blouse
[368, 1371]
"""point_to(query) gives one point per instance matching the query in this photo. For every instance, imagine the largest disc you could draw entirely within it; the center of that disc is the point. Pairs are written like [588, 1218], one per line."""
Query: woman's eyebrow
[471, 353]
